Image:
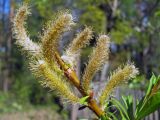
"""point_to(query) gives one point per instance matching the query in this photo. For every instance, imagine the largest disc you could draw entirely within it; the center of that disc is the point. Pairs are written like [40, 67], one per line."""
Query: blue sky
[7, 6]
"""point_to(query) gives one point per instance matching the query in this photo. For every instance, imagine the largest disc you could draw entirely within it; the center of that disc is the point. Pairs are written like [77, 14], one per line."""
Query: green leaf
[152, 82]
[141, 110]
[121, 109]
[139, 106]
[83, 100]
[103, 117]
[152, 104]
[112, 116]
[128, 101]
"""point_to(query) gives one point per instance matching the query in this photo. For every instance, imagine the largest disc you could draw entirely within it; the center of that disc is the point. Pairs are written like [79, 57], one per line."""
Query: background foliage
[133, 26]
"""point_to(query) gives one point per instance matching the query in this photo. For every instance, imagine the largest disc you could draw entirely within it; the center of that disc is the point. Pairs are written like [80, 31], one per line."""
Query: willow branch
[72, 76]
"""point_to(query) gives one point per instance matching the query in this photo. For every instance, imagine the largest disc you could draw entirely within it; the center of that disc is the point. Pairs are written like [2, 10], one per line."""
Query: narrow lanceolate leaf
[119, 77]
[20, 33]
[97, 59]
[53, 81]
[52, 35]
[121, 108]
[79, 42]
[83, 100]
[144, 108]
[151, 99]
[154, 86]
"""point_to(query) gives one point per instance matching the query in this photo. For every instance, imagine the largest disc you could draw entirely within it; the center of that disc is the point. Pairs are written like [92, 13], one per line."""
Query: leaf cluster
[147, 105]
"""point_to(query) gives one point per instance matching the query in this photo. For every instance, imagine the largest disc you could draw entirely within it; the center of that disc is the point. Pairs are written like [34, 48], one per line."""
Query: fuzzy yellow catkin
[20, 33]
[97, 59]
[51, 80]
[81, 40]
[119, 77]
[52, 34]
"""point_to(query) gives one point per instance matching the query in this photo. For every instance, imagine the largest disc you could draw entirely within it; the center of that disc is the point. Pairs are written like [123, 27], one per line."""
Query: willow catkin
[80, 41]
[119, 77]
[20, 33]
[52, 35]
[97, 59]
[51, 80]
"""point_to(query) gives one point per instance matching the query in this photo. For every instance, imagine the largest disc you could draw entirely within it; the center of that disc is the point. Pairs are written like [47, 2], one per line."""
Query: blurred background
[134, 29]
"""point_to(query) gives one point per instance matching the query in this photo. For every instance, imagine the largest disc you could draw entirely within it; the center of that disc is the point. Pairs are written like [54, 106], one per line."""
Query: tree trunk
[8, 46]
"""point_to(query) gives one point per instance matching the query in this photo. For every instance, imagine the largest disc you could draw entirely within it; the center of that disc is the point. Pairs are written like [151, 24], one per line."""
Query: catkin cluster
[43, 61]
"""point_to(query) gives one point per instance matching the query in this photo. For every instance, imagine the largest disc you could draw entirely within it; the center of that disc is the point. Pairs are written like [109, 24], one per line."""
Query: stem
[72, 76]
[95, 108]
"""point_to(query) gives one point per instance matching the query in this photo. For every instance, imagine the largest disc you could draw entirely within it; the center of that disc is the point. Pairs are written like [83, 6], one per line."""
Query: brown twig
[72, 76]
